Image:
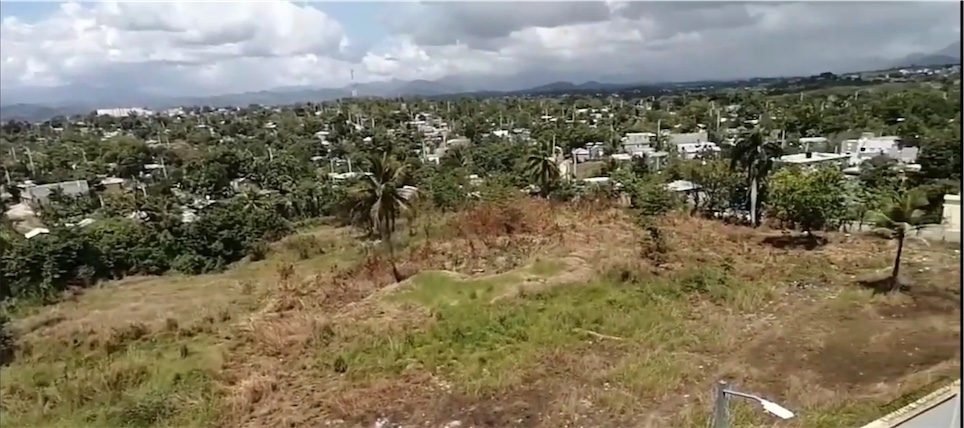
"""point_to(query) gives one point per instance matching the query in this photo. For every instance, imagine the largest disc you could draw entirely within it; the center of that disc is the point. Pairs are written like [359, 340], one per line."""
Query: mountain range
[949, 55]
[81, 99]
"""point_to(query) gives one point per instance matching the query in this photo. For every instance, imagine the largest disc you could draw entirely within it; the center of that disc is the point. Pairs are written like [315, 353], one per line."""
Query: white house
[813, 158]
[635, 142]
[868, 147]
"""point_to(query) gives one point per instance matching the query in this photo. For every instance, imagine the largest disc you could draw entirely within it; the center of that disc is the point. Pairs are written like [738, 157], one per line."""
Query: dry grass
[519, 314]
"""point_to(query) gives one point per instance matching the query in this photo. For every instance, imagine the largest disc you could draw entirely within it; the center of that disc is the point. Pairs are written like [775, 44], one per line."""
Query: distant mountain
[36, 104]
[949, 55]
[953, 50]
[582, 87]
[36, 112]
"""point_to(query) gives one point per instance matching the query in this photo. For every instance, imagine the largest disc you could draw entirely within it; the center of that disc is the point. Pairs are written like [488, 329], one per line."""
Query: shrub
[7, 341]
[258, 251]
[305, 246]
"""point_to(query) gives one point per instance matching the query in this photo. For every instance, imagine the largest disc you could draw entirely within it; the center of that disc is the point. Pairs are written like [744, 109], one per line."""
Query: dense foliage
[250, 175]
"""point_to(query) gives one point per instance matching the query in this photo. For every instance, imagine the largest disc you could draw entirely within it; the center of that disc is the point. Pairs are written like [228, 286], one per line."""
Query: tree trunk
[753, 196]
[391, 255]
[894, 283]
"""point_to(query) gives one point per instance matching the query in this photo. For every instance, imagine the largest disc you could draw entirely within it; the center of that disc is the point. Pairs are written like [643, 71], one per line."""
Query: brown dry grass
[522, 314]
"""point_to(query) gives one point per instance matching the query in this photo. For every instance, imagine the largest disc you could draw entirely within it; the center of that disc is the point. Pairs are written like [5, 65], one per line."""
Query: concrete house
[40, 194]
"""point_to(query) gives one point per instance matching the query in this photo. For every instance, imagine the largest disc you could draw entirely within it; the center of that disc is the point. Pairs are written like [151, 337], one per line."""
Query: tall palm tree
[754, 154]
[902, 213]
[541, 167]
[381, 197]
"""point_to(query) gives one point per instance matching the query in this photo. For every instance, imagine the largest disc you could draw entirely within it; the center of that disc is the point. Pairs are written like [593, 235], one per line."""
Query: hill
[520, 314]
[949, 55]
[36, 112]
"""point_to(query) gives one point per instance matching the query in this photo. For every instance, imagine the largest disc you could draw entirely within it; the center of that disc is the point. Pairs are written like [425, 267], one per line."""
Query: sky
[208, 48]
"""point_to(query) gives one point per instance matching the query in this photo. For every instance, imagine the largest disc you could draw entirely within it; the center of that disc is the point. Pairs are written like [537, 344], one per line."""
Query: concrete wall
[939, 409]
[952, 212]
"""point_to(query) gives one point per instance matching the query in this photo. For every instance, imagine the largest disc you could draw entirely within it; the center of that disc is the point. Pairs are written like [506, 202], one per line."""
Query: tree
[878, 173]
[810, 199]
[541, 168]
[719, 185]
[940, 159]
[753, 154]
[380, 196]
[901, 214]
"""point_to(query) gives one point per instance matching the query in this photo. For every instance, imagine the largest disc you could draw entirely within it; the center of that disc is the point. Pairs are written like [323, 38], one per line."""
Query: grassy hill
[518, 314]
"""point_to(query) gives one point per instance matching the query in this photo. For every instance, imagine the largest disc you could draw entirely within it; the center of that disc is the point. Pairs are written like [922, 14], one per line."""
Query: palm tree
[902, 213]
[541, 167]
[754, 154]
[382, 198]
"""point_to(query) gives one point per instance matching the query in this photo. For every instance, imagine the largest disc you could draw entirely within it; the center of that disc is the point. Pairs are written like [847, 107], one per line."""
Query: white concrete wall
[952, 212]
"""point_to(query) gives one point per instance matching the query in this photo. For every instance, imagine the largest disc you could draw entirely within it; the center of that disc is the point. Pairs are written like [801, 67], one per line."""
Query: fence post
[721, 411]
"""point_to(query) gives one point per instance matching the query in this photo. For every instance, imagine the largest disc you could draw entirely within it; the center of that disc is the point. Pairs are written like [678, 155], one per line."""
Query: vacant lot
[521, 314]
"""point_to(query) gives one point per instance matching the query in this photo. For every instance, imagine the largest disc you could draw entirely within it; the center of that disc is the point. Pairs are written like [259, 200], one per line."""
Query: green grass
[159, 382]
[485, 346]
[546, 268]
[652, 337]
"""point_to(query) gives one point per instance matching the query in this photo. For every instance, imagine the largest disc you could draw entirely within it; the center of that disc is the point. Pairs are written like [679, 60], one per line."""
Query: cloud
[207, 48]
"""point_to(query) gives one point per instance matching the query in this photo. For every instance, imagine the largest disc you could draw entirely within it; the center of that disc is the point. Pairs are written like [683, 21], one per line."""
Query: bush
[305, 246]
[7, 341]
[46, 265]
[258, 251]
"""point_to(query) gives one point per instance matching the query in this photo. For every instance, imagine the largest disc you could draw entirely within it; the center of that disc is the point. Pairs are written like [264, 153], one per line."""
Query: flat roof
[802, 158]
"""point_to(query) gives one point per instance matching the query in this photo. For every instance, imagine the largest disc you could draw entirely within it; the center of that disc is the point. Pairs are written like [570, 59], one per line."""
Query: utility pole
[30, 160]
[721, 407]
[163, 167]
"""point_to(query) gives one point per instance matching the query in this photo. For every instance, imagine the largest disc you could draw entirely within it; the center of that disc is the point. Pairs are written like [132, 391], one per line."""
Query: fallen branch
[597, 335]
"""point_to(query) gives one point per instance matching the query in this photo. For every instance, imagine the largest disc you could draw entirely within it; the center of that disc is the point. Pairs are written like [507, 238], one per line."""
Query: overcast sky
[181, 48]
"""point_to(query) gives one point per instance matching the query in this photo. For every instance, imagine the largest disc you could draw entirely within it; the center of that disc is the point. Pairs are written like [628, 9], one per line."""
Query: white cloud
[206, 48]
[202, 45]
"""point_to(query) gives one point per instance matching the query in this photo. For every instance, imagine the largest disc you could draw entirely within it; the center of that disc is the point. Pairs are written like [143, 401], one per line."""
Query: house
[814, 158]
[689, 138]
[39, 194]
[322, 136]
[806, 141]
[868, 147]
[123, 112]
[37, 231]
[580, 155]
[113, 184]
[682, 186]
[691, 150]
[635, 142]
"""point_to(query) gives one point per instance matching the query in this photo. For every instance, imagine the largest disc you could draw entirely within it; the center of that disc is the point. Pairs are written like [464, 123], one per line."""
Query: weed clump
[305, 246]
[8, 341]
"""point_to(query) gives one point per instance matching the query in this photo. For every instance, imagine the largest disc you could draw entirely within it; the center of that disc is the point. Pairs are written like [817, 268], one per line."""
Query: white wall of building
[952, 212]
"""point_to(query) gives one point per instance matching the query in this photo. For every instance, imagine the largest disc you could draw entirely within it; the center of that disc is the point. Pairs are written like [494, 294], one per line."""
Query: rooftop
[811, 157]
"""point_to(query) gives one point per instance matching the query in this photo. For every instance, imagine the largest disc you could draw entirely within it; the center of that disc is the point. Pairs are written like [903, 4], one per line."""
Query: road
[946, 414]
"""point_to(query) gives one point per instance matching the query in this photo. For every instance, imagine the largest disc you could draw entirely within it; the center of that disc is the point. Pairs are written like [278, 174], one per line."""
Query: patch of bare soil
[851, 354]
[854, 348]
[524, 407]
